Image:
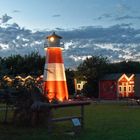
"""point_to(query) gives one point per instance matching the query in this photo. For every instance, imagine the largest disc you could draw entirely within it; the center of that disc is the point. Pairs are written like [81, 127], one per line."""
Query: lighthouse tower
[55, 86]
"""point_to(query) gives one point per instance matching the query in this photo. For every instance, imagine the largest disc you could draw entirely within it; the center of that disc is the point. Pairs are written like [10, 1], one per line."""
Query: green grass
[102, 122]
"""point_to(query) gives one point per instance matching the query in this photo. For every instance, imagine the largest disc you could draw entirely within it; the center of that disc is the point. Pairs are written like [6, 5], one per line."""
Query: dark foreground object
[50, 110]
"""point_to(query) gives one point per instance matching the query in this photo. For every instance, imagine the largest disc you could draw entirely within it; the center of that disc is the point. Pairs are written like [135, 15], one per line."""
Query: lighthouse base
[56, 90]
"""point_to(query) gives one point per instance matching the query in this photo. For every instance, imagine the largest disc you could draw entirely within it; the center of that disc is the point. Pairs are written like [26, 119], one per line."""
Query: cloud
[119, 33]
[105, 15]
[61, 29]
[126, 25]
[57, 15]
[117, 18]
[122, 8]
[16, 11]
[117, 42]
[127, 17]
[113, 34]
[5, 18]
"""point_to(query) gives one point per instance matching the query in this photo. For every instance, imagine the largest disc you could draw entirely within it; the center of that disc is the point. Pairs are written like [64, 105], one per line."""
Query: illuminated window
[133, 88]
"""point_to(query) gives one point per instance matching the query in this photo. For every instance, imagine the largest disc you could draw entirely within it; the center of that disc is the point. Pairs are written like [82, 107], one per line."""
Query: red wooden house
[113, 86]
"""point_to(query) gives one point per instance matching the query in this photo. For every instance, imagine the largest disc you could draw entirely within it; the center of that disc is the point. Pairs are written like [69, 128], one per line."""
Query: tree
[124, 67]
[70, 81]
[32, 63]
[93, 69]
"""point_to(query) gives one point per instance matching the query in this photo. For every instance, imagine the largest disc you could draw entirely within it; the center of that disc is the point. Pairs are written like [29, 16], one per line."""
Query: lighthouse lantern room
[54, 40]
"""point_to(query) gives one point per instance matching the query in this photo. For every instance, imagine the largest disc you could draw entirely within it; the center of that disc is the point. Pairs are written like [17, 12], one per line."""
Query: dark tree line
[91, 70]
[32, 64]
[124, 67]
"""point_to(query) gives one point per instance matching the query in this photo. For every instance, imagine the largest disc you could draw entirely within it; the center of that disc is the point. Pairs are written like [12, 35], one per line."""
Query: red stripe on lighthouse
[56, 89]
[54, 55]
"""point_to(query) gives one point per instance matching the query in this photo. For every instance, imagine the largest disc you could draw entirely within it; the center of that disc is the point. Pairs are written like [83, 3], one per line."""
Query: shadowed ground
[105, 120]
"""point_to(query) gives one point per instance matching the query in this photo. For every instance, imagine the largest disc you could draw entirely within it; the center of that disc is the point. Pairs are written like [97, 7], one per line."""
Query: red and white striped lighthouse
[55, 86]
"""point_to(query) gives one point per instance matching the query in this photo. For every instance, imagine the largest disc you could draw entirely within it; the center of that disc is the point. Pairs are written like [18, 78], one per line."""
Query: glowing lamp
[55, 86]
[51, 39]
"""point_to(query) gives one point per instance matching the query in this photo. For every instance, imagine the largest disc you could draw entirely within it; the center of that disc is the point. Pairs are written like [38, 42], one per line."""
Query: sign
[76, 122]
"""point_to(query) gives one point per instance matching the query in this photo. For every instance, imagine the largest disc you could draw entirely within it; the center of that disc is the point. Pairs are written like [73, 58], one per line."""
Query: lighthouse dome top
[54, 35]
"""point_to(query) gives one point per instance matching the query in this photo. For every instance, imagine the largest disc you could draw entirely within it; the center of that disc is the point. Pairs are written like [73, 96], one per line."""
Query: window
[124, 88]
[129, 88]
[133, 89]
[79, 86]
[120, 88]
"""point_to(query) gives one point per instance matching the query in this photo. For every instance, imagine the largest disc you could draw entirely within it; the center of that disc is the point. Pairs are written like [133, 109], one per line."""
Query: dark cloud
[126, 25]
[104, 16]
[5, 18]
[127, 17]
[113, 34]
[117, 18]
[61, 29]
[57, 15]
[16, 11]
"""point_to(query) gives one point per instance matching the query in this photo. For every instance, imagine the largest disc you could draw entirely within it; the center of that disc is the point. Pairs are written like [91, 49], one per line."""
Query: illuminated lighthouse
[55, 86]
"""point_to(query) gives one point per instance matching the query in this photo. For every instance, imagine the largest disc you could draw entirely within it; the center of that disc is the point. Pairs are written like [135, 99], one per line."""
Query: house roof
[114, 76]
[54, 35]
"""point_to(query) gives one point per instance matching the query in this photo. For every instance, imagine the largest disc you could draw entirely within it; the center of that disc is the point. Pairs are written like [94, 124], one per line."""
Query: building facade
[114, 86]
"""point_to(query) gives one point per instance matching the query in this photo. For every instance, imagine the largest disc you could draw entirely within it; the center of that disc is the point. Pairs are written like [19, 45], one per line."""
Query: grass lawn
[103, 121]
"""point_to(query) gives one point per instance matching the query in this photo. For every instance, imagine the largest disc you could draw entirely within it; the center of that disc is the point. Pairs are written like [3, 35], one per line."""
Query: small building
[80, 85]
[114, 86]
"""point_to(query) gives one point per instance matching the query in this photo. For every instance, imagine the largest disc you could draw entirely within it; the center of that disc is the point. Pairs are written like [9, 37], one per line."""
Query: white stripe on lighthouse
[54, 72]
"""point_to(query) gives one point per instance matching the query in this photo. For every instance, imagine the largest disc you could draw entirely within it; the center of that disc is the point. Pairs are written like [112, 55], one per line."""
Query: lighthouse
[55, 86]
